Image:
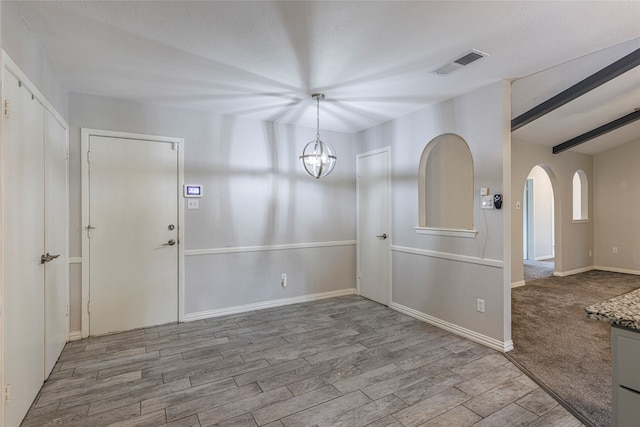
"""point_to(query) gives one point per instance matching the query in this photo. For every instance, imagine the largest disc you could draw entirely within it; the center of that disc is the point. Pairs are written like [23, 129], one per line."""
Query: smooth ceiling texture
[263, 60]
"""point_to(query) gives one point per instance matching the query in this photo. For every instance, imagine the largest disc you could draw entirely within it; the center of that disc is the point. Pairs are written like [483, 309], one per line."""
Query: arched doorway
[538, 225]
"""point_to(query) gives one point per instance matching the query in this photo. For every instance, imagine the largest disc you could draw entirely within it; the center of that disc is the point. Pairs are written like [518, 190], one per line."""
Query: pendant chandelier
[318, 158]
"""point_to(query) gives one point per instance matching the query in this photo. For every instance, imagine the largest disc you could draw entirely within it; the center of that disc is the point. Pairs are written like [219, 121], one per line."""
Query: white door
[374, 226]
[56, 232]
[23, 245]
[133, 244]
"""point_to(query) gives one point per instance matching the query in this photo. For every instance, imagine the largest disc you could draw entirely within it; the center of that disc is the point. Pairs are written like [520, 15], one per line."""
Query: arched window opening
[580, 196]
[446, 184]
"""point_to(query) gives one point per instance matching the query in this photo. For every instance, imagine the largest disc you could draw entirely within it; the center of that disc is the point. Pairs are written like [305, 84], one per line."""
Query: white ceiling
[373, 60]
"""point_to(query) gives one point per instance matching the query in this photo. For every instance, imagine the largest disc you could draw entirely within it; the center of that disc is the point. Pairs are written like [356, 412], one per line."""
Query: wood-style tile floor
[338, 362]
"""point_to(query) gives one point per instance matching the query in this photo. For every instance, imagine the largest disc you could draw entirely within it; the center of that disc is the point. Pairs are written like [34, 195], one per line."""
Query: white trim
[453, 257]
[75, 260]
[450, 232]
[85, 134]
[517, 284]
[238, 249]
[493, 343]
[360, 156]
[543, 257]
[580, 221]
[13, 68]
[190, 317]
[576, 271]
[75, 336]
[617, 270]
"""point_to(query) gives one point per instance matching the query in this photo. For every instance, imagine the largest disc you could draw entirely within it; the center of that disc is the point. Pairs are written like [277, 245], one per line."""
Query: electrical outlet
[486, 202]
[480, 305]
[615, 249]
[284, 279]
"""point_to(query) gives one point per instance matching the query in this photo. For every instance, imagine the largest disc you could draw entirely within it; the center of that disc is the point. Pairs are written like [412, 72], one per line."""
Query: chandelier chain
[318, 118]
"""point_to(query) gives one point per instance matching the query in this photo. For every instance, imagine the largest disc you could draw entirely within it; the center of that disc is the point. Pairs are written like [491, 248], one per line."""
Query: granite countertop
[623, 310]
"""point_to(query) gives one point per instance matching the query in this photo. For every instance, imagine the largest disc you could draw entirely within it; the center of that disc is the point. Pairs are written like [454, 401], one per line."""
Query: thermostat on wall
[192, 190]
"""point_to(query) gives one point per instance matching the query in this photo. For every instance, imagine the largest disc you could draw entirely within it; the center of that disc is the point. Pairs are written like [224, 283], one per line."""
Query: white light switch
[193, 204]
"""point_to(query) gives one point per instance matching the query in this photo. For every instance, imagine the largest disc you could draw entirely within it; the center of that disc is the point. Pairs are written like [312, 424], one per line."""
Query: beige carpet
[563, 349]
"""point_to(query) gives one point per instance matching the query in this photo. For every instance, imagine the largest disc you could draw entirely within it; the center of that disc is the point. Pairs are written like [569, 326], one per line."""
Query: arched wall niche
[445, 184]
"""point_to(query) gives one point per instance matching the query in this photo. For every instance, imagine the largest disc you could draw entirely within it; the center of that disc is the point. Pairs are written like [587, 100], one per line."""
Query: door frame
[85, 134]
[389, 222]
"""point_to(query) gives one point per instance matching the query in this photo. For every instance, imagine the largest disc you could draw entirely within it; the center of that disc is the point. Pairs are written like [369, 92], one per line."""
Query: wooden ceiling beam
[606, 128]
[608, 73]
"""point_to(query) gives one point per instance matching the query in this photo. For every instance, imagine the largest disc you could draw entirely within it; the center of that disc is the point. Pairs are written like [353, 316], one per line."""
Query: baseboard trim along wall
[517, 284]
[266, 304]
[453, 257]
[617, 270]
[576, 271]
[237, 249]
[75, 336]
[458, 330]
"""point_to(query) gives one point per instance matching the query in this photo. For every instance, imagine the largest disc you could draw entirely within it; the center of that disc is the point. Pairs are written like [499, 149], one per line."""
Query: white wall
[24, 50]
[616, 196]
[572, 240]
[256, 193]
[542, 214]
[445, 289]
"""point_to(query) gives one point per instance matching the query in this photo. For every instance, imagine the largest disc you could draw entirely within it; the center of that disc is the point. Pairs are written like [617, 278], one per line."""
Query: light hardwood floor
[338, 362]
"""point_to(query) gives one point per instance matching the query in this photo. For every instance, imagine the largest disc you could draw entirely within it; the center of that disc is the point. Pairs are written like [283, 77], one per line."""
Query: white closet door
[23, 244]
[56, 232]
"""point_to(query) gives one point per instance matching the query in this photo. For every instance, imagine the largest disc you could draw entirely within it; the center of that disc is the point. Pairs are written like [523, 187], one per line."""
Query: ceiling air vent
[464, 60]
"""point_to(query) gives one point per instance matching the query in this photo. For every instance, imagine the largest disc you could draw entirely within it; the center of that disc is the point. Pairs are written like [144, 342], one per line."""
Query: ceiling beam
[622, 121]
[609, 72]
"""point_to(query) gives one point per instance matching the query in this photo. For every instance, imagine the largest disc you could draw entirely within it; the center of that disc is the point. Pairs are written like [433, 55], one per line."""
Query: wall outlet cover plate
[486, 202]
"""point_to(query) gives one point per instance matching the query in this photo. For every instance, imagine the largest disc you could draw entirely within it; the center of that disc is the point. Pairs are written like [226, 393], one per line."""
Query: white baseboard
[75, 336]
[503, 346]
[576, 271]
[543, 258]
[617, 270]
[517, 284]
[266, 304]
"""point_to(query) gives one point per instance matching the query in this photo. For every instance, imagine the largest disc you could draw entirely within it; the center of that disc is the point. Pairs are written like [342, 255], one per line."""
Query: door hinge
[7, 109]
[66, 154]
[175, 146]
[88, 156]
[89, 228]
[7, 393]
[67, 310]
[88, 307]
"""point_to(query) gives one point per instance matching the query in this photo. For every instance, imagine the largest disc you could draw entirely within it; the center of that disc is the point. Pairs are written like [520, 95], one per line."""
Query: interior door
[133, 226]
[374, 226]
[56, 232]
[23, 245]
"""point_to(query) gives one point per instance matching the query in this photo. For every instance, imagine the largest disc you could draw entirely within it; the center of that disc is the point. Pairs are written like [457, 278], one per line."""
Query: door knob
[382, 236]
[47, 258]
[170, 243]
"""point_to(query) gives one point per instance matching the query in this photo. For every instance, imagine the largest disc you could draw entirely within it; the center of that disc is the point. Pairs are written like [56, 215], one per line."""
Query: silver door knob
[170, 243]
[382, 236]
